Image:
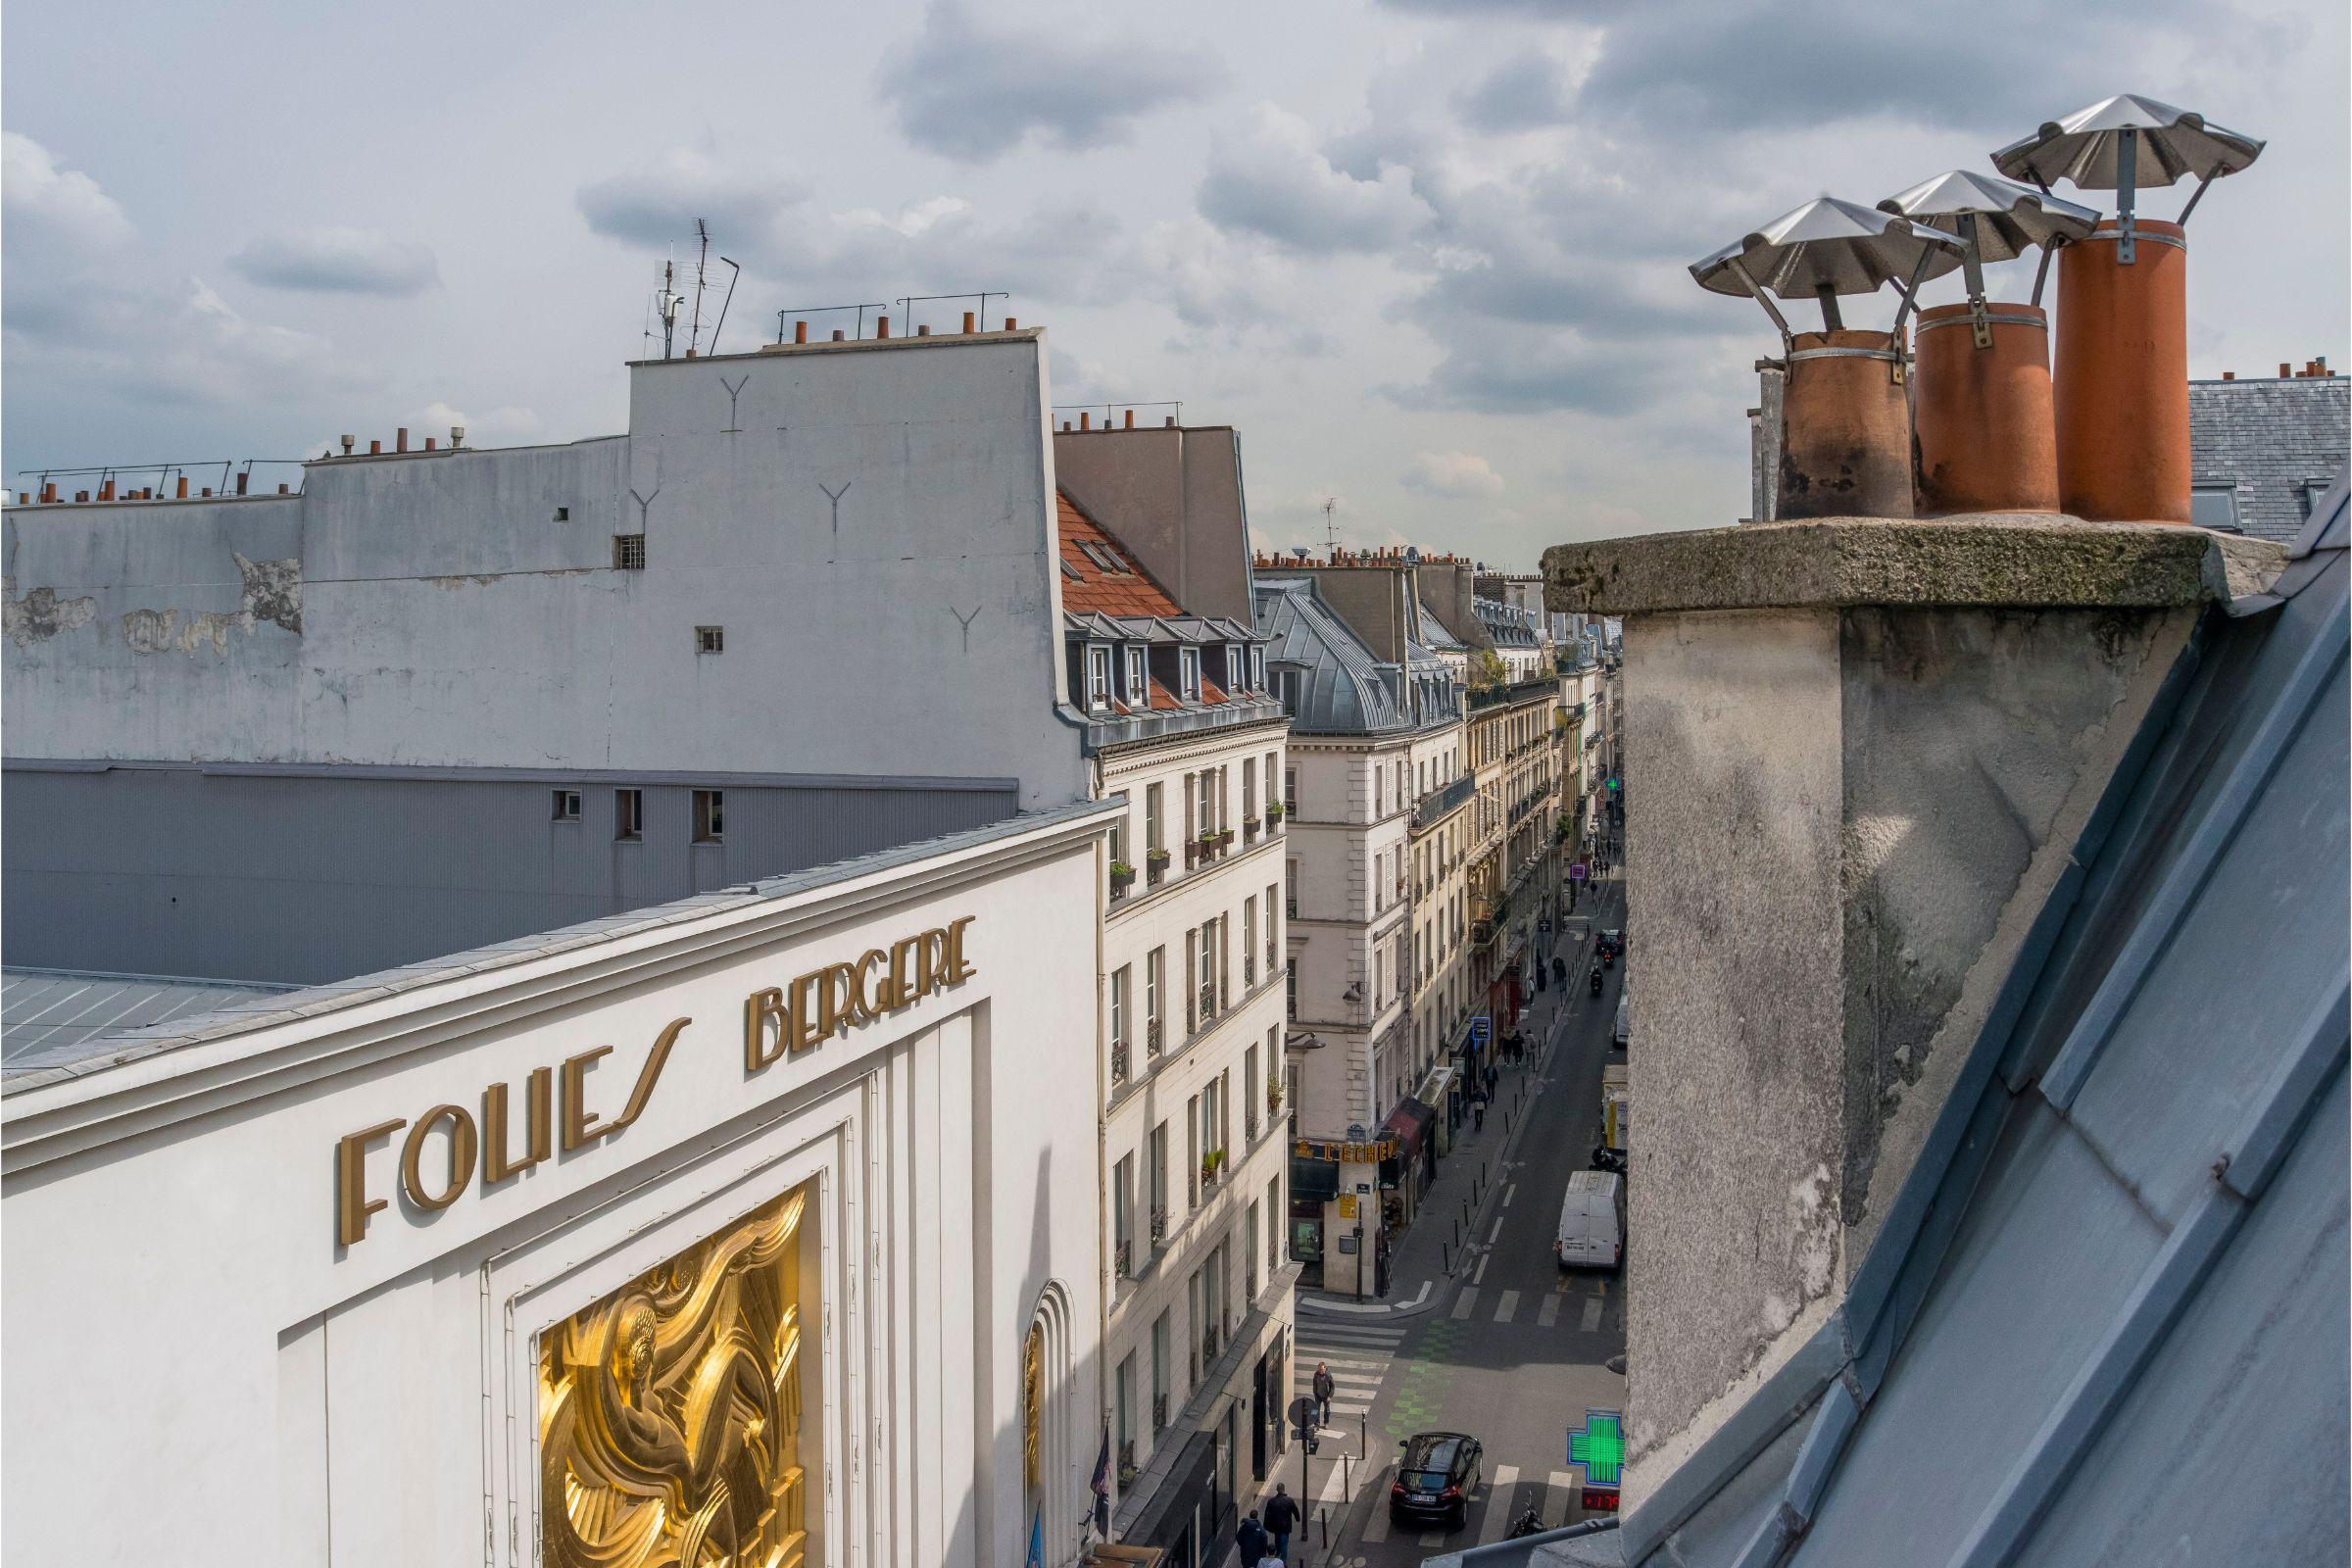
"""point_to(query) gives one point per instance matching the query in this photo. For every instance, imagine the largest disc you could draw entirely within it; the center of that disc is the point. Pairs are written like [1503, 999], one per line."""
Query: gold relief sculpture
[670, 1413]
[1033, 1402]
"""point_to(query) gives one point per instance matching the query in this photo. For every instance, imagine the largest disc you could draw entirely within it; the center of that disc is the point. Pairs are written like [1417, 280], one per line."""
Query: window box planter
[1159, 1226]
[1225, 838]
[1275, 813]
[1212, 1166]
[1156, 867]
[1118, 1062]
[1122, 877]
[1274, 1094]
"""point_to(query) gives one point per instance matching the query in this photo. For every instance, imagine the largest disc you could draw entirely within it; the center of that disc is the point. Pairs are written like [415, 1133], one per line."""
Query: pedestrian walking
[1282, 1517]
[1251, 1539]
[1324, 1390]
[1478, 1114]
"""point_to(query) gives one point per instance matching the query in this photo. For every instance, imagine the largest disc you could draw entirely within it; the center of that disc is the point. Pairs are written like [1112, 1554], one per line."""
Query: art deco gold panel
[671, 1427]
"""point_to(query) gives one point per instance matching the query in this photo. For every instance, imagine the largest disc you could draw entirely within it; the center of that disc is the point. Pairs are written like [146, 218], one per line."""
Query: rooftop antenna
[1331, 532]
[734, 272]
[702, 259]
[667, 301]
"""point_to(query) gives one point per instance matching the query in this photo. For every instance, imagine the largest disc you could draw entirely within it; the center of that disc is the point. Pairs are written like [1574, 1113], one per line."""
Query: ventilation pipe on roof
[2122, 382]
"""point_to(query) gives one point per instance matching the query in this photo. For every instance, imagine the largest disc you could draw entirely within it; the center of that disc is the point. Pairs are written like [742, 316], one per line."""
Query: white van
[1593, 1221]
[1625, 1019]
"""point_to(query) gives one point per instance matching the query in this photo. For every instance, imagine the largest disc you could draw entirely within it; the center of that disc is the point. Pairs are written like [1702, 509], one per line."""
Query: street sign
[1601, 1449]
[1482, 1029]
[1614, 784]
[1578, 870]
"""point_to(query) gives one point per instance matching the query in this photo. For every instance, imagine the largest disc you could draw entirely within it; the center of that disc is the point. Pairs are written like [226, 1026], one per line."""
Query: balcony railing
[1151, 1037]
[1159, 1226]
[1123, 1251]
[1118, 1062]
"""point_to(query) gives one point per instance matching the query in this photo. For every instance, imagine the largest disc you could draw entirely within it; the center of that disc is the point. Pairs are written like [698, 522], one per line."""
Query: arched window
[1051, 1482]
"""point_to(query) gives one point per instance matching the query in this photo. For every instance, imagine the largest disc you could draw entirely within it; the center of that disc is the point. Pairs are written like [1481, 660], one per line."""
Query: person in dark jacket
[1324, 1390]
[1282, 1517]
[1251, 1539]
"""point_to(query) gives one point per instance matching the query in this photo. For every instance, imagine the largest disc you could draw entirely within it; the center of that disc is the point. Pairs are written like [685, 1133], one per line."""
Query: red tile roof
[1099, 592]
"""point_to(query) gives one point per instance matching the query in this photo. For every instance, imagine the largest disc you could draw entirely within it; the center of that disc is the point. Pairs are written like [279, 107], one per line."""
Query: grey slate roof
[2270, 438]
[1435, 636]
[1344, 687]
[50, 1015]
[2109, 1317]
[258, 1006]
[1508, 626]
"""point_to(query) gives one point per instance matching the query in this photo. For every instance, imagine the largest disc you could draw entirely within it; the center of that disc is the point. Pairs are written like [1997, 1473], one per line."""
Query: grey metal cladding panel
[2230, 1446]
[2260, 950]
[1716, 1533]
[2050, 1249]
[2243, 662]
[313, 879]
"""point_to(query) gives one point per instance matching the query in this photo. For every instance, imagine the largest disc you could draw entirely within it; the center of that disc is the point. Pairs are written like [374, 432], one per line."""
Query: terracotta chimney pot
[1987, 437]
[837, 335]
[969, 317]
[400, 439]
[1012, 325]
[2122, 376]
[799, 331]
[881, 327]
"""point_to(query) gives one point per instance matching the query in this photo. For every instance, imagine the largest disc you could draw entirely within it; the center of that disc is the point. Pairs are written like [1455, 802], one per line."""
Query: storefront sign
[1368, 1152]
[777, 1021]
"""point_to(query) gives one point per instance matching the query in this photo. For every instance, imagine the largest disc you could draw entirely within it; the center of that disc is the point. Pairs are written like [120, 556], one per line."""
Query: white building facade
[763, 1224]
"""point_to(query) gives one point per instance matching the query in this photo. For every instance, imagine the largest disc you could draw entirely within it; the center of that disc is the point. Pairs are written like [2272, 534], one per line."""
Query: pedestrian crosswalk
[1358, 1356]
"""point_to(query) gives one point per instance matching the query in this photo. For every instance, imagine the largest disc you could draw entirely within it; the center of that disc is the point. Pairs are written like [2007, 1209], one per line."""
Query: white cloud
[51, 212]
[338, 261]
[657, 205]
[1456, 475]
[1279, 183]
[973, 89]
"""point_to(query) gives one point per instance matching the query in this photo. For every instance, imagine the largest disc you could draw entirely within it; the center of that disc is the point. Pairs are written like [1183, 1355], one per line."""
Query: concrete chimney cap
[2011, 218]
[2083, 147]
[1850, 248]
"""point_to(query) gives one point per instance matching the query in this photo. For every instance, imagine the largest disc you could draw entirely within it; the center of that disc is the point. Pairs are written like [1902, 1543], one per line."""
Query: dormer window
[1257, 670]
[1135, 677]
[1286, 687]
[1187, 674]
[1233, 668]
[1098, 675]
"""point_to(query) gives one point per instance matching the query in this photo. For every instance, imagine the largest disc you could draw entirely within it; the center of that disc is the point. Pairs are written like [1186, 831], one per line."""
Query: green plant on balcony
[1274, 1094]
[1274, 810]
[1156, 856]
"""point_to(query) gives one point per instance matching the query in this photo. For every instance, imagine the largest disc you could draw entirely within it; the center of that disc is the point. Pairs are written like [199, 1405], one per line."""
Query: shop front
[1342, 1239]
[677, 1206]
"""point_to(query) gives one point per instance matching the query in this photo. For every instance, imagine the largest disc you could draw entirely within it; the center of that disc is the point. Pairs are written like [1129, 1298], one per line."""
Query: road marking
[1508, 1307]
[1567, 1494]
[1478, 1275]
[1508, 1193]
[1349, 1334]
[1548, 1312]
[1430, 1539]
[1498, 1516]
[1591, 1314]
[1496, 1234]
[1376, 1527]
[1463, 1302]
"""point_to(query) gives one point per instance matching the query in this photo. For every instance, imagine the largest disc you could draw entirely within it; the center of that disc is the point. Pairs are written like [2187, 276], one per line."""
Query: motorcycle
[1530, 1523]
[1597, 982]
[1609, 1159]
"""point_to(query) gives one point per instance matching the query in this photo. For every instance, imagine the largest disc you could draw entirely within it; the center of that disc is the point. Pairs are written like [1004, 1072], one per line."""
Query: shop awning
[1411, 1121]
[1314, 1178]
[1168, 1512]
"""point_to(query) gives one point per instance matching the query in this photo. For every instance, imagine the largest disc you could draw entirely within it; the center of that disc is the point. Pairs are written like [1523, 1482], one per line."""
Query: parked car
[1435, 1477]
[1625, 1019]
[1592, 1231]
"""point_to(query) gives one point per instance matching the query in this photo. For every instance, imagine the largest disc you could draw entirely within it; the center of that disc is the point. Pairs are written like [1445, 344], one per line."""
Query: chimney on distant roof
[1012, 325]
[1085, 422]
[400, 439]
[1130, 419]
[881, 327]
[970, 318]
[799, 331]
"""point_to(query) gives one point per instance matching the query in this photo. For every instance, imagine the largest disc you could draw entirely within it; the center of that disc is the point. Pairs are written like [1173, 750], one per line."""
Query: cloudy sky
[1427, 254]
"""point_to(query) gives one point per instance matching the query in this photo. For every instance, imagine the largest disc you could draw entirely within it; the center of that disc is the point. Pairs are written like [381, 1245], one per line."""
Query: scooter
[1530, 1523]
[1597, 982]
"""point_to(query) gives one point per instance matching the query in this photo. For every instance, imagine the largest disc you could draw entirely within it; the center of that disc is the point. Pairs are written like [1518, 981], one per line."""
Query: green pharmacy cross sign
[1615, 784]
[1599, 1447]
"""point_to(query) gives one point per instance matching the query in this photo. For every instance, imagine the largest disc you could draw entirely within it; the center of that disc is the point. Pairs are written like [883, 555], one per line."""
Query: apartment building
[1367, 734]
[1181, 729]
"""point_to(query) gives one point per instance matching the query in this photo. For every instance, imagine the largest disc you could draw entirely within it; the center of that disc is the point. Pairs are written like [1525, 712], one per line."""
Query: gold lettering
[352, 1205]
[884, 1000]
[580, 1126]
[760, 1009]
[835, 1005]
[648, 1075]
[806, 1012]
[934, 960]
[905, 969]
[957, 969]
[460, 1157]
[538, 1127]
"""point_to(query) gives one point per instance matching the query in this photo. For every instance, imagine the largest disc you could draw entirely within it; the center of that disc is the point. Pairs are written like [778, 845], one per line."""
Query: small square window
[710, 638]
[562, 513]
[628, 552]
[628, 815]
[568, 806]
[710, 817]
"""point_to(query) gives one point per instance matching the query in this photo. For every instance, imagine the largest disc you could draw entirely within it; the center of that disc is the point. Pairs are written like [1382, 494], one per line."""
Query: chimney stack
[1130, 419]
[106, 490]
[400, 439]
[1859, 761]
[457, 436]
[183, 488]
[428, 443]
[969, 317]
[1012, 325]
[2228, 375]
[1085, 422]
[241, 478]
[881, 327]
[799, 331]
[838, 337]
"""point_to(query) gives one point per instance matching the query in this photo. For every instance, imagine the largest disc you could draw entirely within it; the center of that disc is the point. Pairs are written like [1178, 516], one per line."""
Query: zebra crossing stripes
[1356, 1355]
[1550, 1312]
[1508, 1307]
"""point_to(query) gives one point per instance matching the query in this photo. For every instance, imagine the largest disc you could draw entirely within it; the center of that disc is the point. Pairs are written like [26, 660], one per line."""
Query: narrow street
[1507, 1348]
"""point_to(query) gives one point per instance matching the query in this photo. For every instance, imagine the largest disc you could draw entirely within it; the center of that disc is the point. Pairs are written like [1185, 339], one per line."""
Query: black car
[1435, 1477]
[1610, 945]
